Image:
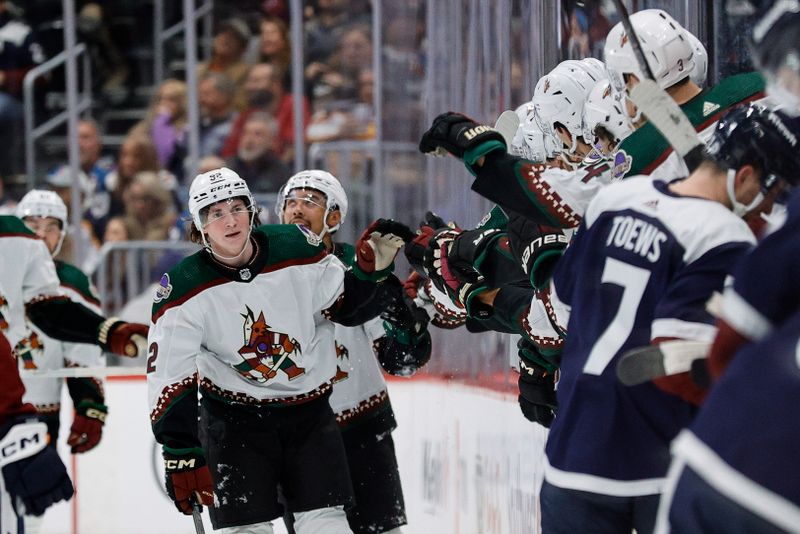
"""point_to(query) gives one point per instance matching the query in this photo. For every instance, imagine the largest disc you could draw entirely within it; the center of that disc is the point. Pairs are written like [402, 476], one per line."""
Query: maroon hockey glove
[380, 243]
[121, 337]
[428, 228]
[460, 136]
[188, 479]
[35, 480]
[411, 285]
[87, 428]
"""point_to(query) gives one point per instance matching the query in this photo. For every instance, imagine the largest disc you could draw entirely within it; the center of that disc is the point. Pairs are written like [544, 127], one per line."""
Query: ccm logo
[217, 188]
[20, 444]
[477, 130]
[180, 464]
[544, 240]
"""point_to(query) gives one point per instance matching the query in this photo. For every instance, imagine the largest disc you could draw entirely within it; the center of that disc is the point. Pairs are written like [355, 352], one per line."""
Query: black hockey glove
[415, 249]
[462, 137]
[188, 479]
[467, 251]
[536, 247]
[35, 479]
[537, 393]
[407, 347]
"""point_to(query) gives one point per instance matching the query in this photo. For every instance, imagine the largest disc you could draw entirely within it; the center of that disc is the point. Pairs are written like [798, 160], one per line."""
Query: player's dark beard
[260, 99]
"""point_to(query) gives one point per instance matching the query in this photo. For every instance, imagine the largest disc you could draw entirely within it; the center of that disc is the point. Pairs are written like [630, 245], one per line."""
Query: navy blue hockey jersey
[766, 287]
[642, 266]
[744, 440]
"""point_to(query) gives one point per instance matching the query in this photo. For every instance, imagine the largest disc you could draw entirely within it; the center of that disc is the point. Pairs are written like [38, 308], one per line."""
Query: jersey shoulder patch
[191, 276]
[74, 278]
[11, 226]
[290, 243]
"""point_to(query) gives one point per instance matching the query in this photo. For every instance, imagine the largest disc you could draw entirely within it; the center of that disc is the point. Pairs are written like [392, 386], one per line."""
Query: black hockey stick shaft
[634, 39]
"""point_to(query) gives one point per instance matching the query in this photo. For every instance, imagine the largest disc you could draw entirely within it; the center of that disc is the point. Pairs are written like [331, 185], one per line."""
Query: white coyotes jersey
[261, 339]
[26, 272]
[41, 352]
[360, 387]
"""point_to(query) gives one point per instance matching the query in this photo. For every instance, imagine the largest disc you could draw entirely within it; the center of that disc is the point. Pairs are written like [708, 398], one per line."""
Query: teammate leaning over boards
[246, 321]
[730, 467]
[646, 258]
[45, 214]
[399, 339]
[548, 196]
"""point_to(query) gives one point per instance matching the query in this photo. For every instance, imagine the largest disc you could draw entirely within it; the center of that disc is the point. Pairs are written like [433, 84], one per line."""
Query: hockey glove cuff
[188, 479]
[34, 475]
[122, 338]
[468, 250]
[462, 137]
[87, 428]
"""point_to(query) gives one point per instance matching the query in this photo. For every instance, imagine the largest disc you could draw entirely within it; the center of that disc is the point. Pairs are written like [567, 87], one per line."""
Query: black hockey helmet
[775, 44]
[755, 135]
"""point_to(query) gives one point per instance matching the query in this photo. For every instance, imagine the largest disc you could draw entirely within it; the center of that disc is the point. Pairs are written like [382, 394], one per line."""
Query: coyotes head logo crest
[265, 352]
[342, 354]
[3, 306]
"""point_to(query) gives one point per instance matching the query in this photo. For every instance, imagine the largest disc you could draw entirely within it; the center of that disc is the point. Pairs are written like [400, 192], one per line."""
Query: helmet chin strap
[58, 245]
[739, 209]
[210, 249]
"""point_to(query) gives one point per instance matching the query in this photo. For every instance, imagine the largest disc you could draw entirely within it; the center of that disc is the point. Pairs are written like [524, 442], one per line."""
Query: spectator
[255, 161]
[337, 79]
[266, 90]
[165, 124]
[137, 154]
[353, 121]
[227, 50]
[325, 29]
[96, 167]
[149, 212]
[109, 68]
[116, 230]
[19, 52]
[275, 47]
[215, 94]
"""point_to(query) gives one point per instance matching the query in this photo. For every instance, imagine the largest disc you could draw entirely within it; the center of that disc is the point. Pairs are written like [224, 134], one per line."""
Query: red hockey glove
[188, 479]
[411, 285]
[87, 428]
[380, 243]
[38, 479]
[121, 337]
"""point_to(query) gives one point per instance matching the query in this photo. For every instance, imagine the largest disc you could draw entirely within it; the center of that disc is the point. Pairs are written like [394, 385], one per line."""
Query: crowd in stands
[134, 189]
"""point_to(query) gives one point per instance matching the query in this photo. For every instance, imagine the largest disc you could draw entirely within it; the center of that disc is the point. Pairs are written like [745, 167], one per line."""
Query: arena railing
[126, 269]
[32, 132]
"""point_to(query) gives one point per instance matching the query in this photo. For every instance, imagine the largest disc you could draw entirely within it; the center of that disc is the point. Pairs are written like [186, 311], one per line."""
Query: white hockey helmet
[558, 98]
[41, 203]
[322, 181]
[665, 45]
[215, 186]
[699, 73]
[605, 108]
[595, 67]
[530, 142]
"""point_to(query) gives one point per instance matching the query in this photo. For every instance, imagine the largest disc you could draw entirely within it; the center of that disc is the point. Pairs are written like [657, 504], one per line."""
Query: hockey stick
[197, 516]
[80, 372]
[659, 108]
[507, 124]
[654, 361]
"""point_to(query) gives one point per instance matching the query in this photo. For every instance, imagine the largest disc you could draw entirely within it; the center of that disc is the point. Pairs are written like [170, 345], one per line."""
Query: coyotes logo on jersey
[28, 349]
[266, 352]
[341, 354]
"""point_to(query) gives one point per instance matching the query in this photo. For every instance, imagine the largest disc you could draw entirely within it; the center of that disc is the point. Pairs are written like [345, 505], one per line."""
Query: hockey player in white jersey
[46, 214]
[35, 478]
[400, 340]
[247, 321]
